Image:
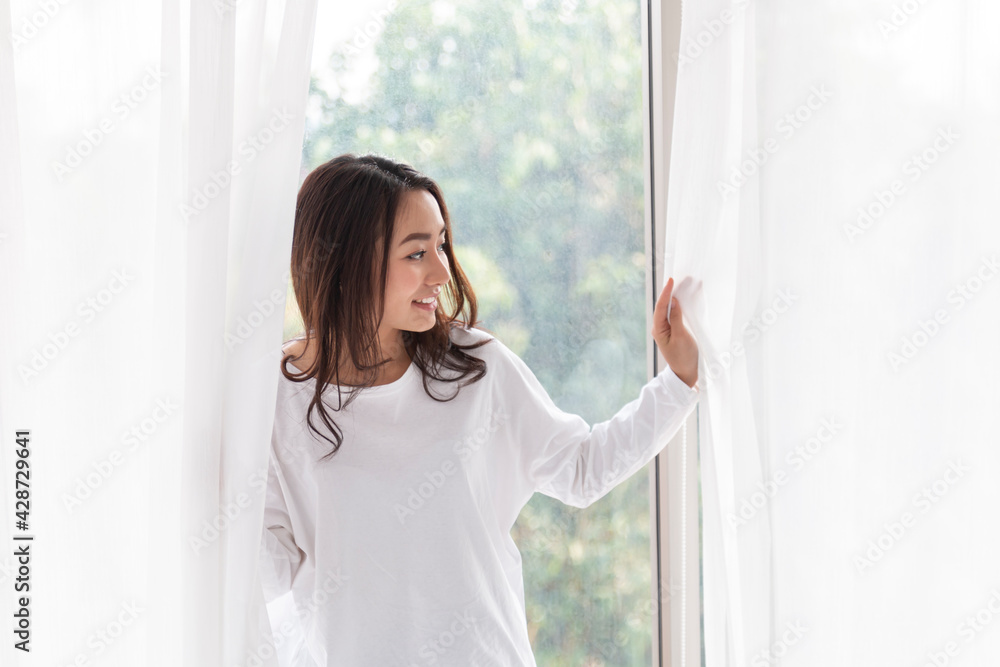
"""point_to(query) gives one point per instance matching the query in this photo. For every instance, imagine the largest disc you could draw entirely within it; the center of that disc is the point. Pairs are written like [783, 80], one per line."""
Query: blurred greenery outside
[529, 116]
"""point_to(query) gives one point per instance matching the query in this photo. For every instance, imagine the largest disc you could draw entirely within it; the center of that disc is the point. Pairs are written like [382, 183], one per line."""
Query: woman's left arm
[560, 455]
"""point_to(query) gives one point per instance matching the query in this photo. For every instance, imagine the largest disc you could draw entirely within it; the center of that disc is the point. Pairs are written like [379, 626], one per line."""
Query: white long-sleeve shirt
[400, 545]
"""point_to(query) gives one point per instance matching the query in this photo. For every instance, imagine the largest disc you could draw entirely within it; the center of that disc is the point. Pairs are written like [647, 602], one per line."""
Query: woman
[391, 521]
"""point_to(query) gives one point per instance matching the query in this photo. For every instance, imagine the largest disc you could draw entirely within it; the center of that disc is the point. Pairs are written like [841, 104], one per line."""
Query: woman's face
[418, 268]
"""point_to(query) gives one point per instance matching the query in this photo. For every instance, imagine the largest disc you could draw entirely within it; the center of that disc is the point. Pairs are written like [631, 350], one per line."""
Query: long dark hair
[346, 211]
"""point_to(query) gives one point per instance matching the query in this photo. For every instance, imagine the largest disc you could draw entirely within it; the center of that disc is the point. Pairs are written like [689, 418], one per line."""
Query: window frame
[675, 542]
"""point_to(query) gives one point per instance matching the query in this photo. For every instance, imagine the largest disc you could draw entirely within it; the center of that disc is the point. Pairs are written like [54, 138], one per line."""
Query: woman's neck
[349, 375]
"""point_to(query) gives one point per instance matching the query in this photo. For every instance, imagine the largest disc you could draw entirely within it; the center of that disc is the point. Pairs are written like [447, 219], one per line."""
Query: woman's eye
[423, 252]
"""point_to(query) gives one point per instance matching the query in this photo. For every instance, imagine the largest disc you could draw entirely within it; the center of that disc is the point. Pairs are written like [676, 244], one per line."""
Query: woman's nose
[441, 273]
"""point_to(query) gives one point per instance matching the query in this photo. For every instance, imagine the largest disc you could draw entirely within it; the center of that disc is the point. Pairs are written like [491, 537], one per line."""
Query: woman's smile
[426, 306]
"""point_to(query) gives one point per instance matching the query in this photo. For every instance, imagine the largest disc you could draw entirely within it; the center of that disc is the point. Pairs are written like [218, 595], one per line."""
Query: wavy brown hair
[344, 221]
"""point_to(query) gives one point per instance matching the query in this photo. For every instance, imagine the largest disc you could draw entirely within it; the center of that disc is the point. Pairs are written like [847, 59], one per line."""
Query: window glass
[529, 116]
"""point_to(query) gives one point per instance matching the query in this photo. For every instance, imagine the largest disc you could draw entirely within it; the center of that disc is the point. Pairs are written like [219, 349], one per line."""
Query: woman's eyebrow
[420, 236]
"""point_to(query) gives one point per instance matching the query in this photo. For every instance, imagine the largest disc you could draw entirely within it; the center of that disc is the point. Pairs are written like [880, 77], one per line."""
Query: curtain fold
[714, 251]
[831, 223]
[149, 161]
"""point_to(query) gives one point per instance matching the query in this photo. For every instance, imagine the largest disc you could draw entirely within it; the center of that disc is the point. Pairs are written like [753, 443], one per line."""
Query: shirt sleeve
[561, 456]
[280, 557]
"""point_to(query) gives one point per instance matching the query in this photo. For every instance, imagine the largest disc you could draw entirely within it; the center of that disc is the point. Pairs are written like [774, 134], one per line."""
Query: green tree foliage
[529, 115]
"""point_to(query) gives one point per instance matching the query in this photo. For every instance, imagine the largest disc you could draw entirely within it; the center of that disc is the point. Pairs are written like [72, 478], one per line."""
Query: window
[529, 114]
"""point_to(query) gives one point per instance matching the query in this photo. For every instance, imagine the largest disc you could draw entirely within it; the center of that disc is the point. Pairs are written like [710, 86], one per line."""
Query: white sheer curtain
[833, 200]
[149, 160]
